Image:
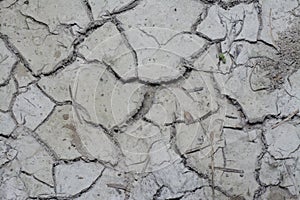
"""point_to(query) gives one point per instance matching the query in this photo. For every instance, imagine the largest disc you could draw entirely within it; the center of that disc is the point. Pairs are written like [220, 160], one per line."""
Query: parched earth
[150, 99]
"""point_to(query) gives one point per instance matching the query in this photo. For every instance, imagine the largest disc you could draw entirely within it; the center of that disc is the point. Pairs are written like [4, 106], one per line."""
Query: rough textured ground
[150, 99]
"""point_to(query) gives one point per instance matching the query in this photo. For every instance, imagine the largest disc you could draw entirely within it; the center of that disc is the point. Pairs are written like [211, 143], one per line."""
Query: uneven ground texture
[150, 99]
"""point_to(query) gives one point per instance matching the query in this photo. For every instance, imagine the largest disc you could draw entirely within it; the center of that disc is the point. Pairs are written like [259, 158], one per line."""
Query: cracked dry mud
[150, 99]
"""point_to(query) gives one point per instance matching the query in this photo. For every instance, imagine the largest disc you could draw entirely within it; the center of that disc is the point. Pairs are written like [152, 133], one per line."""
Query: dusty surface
[150, 99]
